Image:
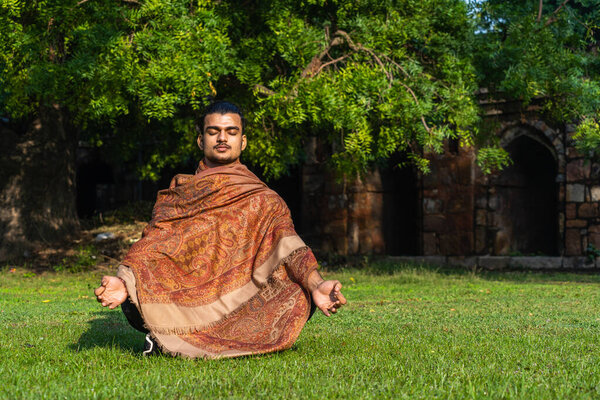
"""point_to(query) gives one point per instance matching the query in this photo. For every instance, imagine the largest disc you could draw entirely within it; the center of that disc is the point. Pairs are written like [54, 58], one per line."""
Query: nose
[222, 136]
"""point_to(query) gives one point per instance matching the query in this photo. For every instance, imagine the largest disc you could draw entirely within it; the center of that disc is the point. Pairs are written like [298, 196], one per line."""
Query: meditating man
[219, 271]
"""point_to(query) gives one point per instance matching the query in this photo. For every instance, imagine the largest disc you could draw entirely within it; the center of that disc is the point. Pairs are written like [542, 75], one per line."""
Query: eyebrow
[226, 128]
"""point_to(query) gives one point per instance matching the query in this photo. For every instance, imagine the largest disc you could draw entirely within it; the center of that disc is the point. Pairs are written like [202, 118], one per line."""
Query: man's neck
[210, 164]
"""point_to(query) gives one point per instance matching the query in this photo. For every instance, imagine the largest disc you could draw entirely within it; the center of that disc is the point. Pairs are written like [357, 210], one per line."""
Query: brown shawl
[219, 269]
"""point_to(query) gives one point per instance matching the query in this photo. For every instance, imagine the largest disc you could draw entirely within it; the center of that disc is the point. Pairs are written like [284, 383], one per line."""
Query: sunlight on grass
[407, 332]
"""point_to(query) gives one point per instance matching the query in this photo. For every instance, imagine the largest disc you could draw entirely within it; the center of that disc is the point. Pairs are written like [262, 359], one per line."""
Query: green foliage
[84, 258]
[587, 137]
[548, 57]
[367, 78]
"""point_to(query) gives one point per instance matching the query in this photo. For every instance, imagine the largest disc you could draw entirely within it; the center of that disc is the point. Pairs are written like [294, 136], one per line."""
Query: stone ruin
[542, 211]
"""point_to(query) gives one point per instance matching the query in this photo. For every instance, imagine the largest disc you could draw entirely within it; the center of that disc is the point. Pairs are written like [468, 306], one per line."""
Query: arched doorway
[527, 198]
[401, 208]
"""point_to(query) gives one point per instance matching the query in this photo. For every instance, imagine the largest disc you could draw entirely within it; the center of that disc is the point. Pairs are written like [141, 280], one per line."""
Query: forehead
[223, 120]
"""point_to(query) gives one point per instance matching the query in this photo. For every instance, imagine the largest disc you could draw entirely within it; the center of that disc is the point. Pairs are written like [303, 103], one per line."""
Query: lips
[222, 147]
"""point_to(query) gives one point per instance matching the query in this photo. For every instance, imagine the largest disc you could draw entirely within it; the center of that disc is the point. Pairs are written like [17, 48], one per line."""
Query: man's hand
[328, 296]
[112, 292]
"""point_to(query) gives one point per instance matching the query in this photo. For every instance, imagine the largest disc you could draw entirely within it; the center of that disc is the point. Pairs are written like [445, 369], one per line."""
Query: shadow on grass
[382, 266]
[110, 330]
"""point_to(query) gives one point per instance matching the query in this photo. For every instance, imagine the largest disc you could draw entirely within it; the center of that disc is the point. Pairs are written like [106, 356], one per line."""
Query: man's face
[222, 140]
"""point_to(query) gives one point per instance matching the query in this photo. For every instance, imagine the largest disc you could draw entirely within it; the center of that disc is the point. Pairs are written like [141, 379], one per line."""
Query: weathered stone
[572, 242]
[493, 202]
[571, 210]
[501, 243]
[576, 223]
[595, 172]
[588, 210]
[434, 223]
[462, 261]
[535, 262]
[578, 170]
[595, 193]
[577, 262]
[480, 240]
[430, 244]
[573, 153]
[456, 243]
[481, 201]
[480, 217]
[430, 193]
[576, 193]
[493, 262]
[418, 260]
[595, 228]
[432, 206]
[372, 181]
[559, 178]
[594, 240]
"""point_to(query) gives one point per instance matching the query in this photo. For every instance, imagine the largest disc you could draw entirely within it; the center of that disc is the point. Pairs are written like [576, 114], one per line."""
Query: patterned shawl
[219, 269]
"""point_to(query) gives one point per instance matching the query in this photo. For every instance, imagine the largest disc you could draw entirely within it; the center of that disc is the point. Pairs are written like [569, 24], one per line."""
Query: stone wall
[547, 204]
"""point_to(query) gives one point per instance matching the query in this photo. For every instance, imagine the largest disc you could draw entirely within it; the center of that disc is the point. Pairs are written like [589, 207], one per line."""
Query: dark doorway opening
[401, 208]
[528, 198]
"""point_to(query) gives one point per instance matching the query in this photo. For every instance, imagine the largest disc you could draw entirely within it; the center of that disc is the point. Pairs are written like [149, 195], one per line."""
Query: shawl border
[209, 315]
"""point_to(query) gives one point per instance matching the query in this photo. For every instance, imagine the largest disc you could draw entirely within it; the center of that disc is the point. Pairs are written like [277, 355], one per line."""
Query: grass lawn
[409, 333]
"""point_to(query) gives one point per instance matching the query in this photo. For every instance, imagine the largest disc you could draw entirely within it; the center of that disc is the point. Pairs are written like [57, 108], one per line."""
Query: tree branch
[539, 17]
[553, 17]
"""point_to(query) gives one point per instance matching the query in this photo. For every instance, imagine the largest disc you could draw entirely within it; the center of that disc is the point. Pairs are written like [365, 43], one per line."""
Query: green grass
[406, 333]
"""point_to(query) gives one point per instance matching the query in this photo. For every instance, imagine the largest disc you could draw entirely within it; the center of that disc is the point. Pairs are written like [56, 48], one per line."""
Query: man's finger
[341, 298]
[99, 291]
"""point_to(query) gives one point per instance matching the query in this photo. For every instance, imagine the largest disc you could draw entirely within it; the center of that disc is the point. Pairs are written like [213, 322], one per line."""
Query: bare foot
[112, 292]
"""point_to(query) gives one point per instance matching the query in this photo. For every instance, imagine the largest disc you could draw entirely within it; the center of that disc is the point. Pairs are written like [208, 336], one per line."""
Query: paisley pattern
[219, 270]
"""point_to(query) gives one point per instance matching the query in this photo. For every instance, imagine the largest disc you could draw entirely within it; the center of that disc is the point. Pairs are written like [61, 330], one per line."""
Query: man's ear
[200, 142]
[244, 142]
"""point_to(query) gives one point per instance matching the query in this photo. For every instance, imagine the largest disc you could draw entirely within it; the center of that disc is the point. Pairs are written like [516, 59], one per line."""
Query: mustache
[222, 145]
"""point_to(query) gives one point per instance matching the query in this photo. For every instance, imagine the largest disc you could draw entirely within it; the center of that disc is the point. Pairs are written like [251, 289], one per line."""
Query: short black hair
[220, 107]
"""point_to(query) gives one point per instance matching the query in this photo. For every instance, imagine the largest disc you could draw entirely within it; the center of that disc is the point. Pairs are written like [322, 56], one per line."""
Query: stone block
[434, 223]
[501, 243]
[571, 210]
[595, 172]
[493, 262]
[595, 193]
[572, 242]
[576, 223]
[576, 193]
[418, 260]
[432, 206]
[480, 217]
[578, 170]
[577, 262]
[594, 228]
[480, 240]
[535, 262]
[456, 243]
[430, 244]
[430, 193]
[462, 261]
[573, 153]
[588, 210]
[434, 260]
[594, 240]
[493, 203]
[481, 201]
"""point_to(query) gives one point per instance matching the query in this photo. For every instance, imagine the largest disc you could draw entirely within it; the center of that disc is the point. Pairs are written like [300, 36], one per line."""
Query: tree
[367, 78]
[548, 51]
[93, 71]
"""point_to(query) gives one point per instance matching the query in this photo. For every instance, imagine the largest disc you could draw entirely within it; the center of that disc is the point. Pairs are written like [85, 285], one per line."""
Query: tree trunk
[37, 185]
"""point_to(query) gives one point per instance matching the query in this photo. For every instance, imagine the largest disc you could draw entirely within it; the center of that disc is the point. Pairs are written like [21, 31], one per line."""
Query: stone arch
[526, 216]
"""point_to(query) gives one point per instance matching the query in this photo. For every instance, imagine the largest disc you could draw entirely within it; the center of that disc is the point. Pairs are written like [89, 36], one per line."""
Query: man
[220, 271]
